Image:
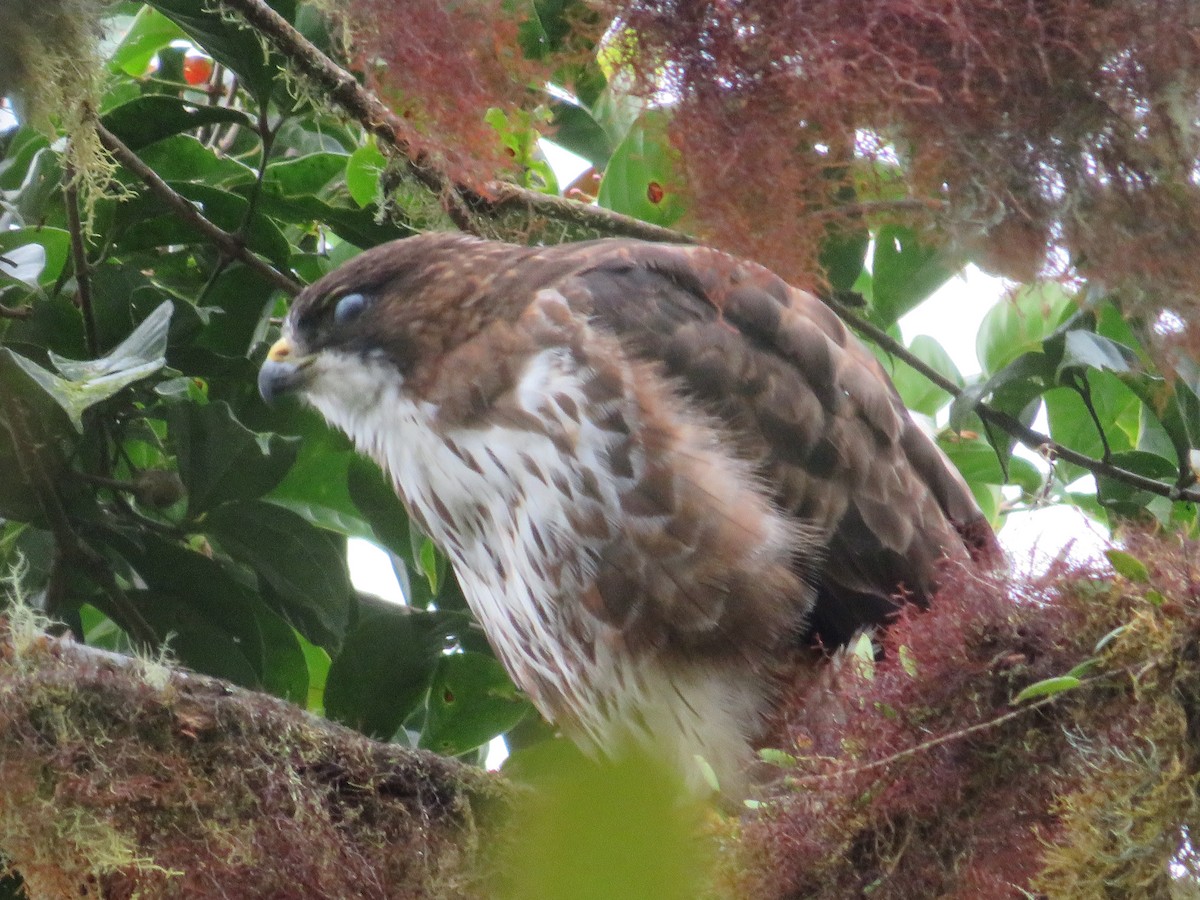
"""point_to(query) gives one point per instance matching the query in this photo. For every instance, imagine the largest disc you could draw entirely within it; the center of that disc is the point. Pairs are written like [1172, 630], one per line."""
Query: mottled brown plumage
[656, 468]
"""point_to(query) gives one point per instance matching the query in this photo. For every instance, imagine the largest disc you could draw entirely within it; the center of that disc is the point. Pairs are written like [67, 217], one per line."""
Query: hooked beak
[282, 372]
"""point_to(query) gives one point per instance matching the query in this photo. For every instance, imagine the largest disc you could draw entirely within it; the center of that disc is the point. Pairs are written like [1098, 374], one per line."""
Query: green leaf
[1047, 687]
[471, 701]
[1024, 473]
[576, 129]
[304, 176]
[1122, 497]
[353, 225]
[641, 179]
[363, 168]
[376, 500]
[975, 459]
[1020, 323]
[240, 49]
[777, 758]
[284, 662]
[304, 566]
[221, 460]
[93, 381]
[241, 301]
[905, 272]
[1128, 566]
[149, 33]
[36, 197]
[210, 605]
[182, 157]
[40, 254]
[200, 640]
[1072, 425]
[145, 223]
[146, 346]
[908, 662]
[1085, 349]
[318, 662]
[36, 440]
[153, 117]
[843, 256]
[917, 391]
[382, 674]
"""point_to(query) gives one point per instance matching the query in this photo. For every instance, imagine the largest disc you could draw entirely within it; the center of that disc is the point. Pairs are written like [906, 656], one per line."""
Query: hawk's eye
[348, 308]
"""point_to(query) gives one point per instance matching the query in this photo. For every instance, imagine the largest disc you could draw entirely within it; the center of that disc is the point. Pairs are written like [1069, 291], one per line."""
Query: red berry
[655, 192]
[197, 69]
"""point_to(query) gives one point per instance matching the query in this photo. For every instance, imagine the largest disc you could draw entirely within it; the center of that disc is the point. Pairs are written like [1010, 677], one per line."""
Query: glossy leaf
[1122, 497]
[1128, 566]
[1018, 324]
[181, 157]
[304, 567]
[220, 460]
[1047, 687]
[1116, 410]
[917, 391]
[1085, 349]
[905, 270]
[150, 32]
[843, 257]
[376, 500]
[471, 701]
[153, 117]
[576, 129]
[150, 225]
[641, 178]
[382, 674]
[363, 168]
[89, 382]
[34, 255]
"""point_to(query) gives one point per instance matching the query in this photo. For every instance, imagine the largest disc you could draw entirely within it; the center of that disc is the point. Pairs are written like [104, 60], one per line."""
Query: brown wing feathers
[806, 401]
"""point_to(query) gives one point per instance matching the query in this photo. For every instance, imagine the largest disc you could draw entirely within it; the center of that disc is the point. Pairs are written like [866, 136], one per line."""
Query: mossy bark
[121, 778]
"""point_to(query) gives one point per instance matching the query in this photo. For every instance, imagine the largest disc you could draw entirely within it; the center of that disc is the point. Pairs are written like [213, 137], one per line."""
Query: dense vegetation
[178, 170]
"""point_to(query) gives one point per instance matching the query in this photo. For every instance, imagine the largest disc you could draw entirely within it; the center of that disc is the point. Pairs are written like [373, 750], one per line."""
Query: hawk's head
[387, 315]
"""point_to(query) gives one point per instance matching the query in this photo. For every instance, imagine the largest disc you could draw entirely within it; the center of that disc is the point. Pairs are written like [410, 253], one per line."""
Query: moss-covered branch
[496, 202]
[120, 777]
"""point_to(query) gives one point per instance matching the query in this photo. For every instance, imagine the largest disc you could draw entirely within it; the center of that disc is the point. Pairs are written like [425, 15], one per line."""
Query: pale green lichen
[50, 65]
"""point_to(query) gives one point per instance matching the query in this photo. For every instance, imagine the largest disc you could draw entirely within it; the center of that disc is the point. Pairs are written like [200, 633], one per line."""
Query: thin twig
[83, 281]
[1034, 440]
[229, 244]
[15, 312]
[492, 200]
[921, 747]
[958, 734]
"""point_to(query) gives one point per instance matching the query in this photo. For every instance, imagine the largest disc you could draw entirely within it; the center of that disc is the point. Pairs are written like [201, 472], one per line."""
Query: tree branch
[495, 199]
[166, 783]
[1034, 440]
[229, 244]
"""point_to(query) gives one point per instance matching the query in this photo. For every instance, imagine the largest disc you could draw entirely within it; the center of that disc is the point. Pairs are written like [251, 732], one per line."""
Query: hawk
[656, 469]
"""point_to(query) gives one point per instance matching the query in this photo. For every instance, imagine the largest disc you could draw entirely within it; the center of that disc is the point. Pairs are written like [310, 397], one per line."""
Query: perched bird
[656, 469]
